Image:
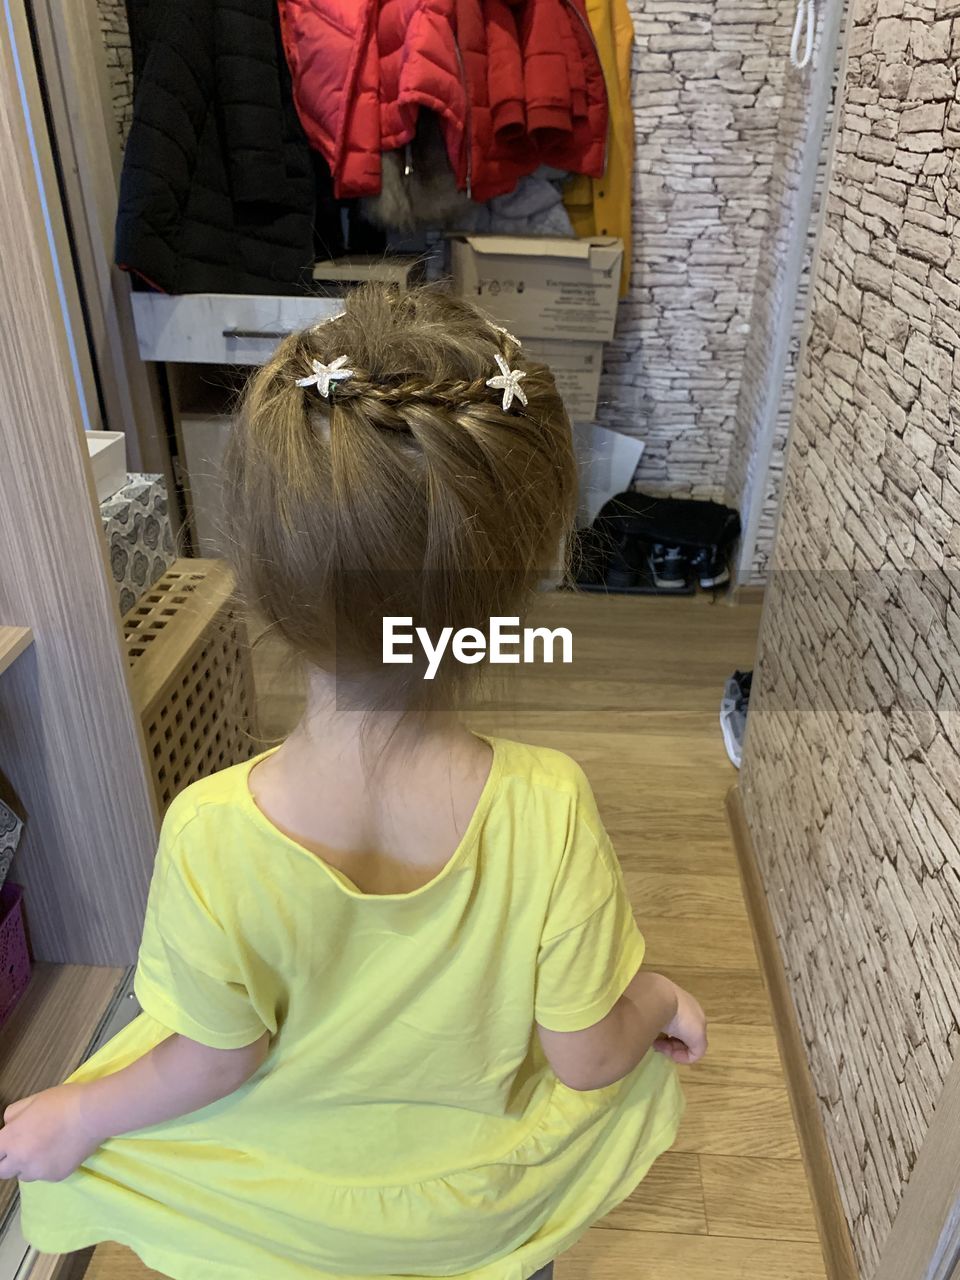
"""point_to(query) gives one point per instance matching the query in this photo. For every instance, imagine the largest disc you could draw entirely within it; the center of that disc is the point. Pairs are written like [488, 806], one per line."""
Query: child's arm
[48, 1136]
[653, 1012]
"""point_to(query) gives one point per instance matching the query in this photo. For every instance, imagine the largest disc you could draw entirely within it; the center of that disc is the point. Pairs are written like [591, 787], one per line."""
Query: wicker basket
[192, 676]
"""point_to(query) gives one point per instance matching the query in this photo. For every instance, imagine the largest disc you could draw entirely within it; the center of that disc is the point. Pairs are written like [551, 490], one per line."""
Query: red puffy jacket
[515, 83]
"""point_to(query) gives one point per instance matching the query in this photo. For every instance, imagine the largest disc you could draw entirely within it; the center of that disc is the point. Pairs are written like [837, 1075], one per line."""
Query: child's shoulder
[209, 798]
[543, 768]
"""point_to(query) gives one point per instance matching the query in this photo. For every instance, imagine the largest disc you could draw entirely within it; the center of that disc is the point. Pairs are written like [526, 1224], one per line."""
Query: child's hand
[44, 1138]
[684, 1039]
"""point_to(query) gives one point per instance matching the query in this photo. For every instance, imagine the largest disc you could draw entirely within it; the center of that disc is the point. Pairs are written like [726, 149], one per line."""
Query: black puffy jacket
[217, 190]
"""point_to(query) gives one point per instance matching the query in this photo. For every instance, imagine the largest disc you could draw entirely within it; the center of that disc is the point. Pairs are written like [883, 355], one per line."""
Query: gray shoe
[733, 713]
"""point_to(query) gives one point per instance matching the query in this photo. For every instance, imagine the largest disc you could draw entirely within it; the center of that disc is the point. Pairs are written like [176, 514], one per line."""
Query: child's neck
[332, 728]
[385, 798]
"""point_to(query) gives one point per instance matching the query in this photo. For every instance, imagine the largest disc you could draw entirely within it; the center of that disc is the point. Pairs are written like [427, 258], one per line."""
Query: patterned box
[137, 525]
[11, 828]
[14, 956]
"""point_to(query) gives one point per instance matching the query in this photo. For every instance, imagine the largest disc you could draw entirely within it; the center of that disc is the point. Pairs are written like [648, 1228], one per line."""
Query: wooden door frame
[71, 740]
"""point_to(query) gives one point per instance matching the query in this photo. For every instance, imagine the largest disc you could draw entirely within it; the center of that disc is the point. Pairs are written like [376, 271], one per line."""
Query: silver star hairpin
[315, 328]
[325, 374]
[507, 334]
[507, 381]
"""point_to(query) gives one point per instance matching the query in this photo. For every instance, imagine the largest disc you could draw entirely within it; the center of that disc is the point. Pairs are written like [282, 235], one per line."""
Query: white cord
[806, 12]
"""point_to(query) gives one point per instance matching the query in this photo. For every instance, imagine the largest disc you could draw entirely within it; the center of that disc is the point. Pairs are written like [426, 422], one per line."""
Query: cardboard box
[576, 366]
[336, 274]
[543, 288]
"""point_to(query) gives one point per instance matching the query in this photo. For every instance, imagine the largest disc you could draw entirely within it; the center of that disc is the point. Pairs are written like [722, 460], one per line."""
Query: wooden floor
[639, 711]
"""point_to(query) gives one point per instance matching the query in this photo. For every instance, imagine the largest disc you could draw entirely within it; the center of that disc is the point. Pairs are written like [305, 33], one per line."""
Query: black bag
[641, 544]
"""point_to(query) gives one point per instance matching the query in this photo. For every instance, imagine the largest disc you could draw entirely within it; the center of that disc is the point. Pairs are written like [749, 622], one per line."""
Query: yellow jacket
[602, 206]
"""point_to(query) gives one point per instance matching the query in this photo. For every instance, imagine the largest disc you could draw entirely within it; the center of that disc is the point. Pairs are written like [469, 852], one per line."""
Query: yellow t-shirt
[405, 1122]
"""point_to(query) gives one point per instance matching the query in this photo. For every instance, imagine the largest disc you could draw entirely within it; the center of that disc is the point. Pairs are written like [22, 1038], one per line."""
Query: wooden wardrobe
[70, 741]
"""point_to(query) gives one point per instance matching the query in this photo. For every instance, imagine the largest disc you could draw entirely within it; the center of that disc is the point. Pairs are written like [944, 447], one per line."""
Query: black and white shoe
[733, 714]
[710, 566]
[669, 567]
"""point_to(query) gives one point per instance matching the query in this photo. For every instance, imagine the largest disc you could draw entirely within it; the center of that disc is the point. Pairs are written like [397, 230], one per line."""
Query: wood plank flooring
[730, 1202]
[49, 1031]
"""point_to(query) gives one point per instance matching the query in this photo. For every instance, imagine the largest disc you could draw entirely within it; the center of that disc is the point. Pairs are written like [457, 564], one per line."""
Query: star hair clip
[507, 381]
[326, 376]
[506, 333]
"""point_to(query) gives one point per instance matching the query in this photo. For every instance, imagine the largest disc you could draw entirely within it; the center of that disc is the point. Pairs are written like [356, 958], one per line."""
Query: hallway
[639, 711]
[730, 1201]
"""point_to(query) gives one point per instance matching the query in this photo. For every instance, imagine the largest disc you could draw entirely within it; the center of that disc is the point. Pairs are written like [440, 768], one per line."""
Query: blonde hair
[412, 492]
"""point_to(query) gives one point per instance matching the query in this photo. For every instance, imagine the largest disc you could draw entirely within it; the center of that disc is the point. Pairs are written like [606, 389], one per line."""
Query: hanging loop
[803, 30]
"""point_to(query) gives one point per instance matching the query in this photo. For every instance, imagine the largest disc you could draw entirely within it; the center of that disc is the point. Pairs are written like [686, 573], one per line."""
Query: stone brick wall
[116, 37]
[853, 753]
[707, 86]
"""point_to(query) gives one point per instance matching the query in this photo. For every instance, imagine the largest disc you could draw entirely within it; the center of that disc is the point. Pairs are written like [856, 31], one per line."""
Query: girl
[394, 1017]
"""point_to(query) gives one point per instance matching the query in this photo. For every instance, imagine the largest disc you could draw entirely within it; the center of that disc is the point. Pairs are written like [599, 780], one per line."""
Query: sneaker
[733, 714]
[622, 567]
[710, 566]
[669, 567]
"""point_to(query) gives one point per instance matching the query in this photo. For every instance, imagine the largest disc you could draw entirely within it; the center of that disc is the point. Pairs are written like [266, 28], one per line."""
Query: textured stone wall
[116, 37]
[852, 769]
[707, 82]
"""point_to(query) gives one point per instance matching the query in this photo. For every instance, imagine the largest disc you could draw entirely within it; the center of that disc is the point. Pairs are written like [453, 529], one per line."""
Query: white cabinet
[203, 439]
[222, 328]
[197, 335]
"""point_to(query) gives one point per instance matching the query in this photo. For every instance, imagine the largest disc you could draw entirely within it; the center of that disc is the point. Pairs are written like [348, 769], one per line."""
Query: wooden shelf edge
[13, 641]
[50, 1031]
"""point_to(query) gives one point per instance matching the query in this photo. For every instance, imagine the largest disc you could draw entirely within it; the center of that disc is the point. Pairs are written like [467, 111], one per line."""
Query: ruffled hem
[587, 1154]
[518, 1265]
